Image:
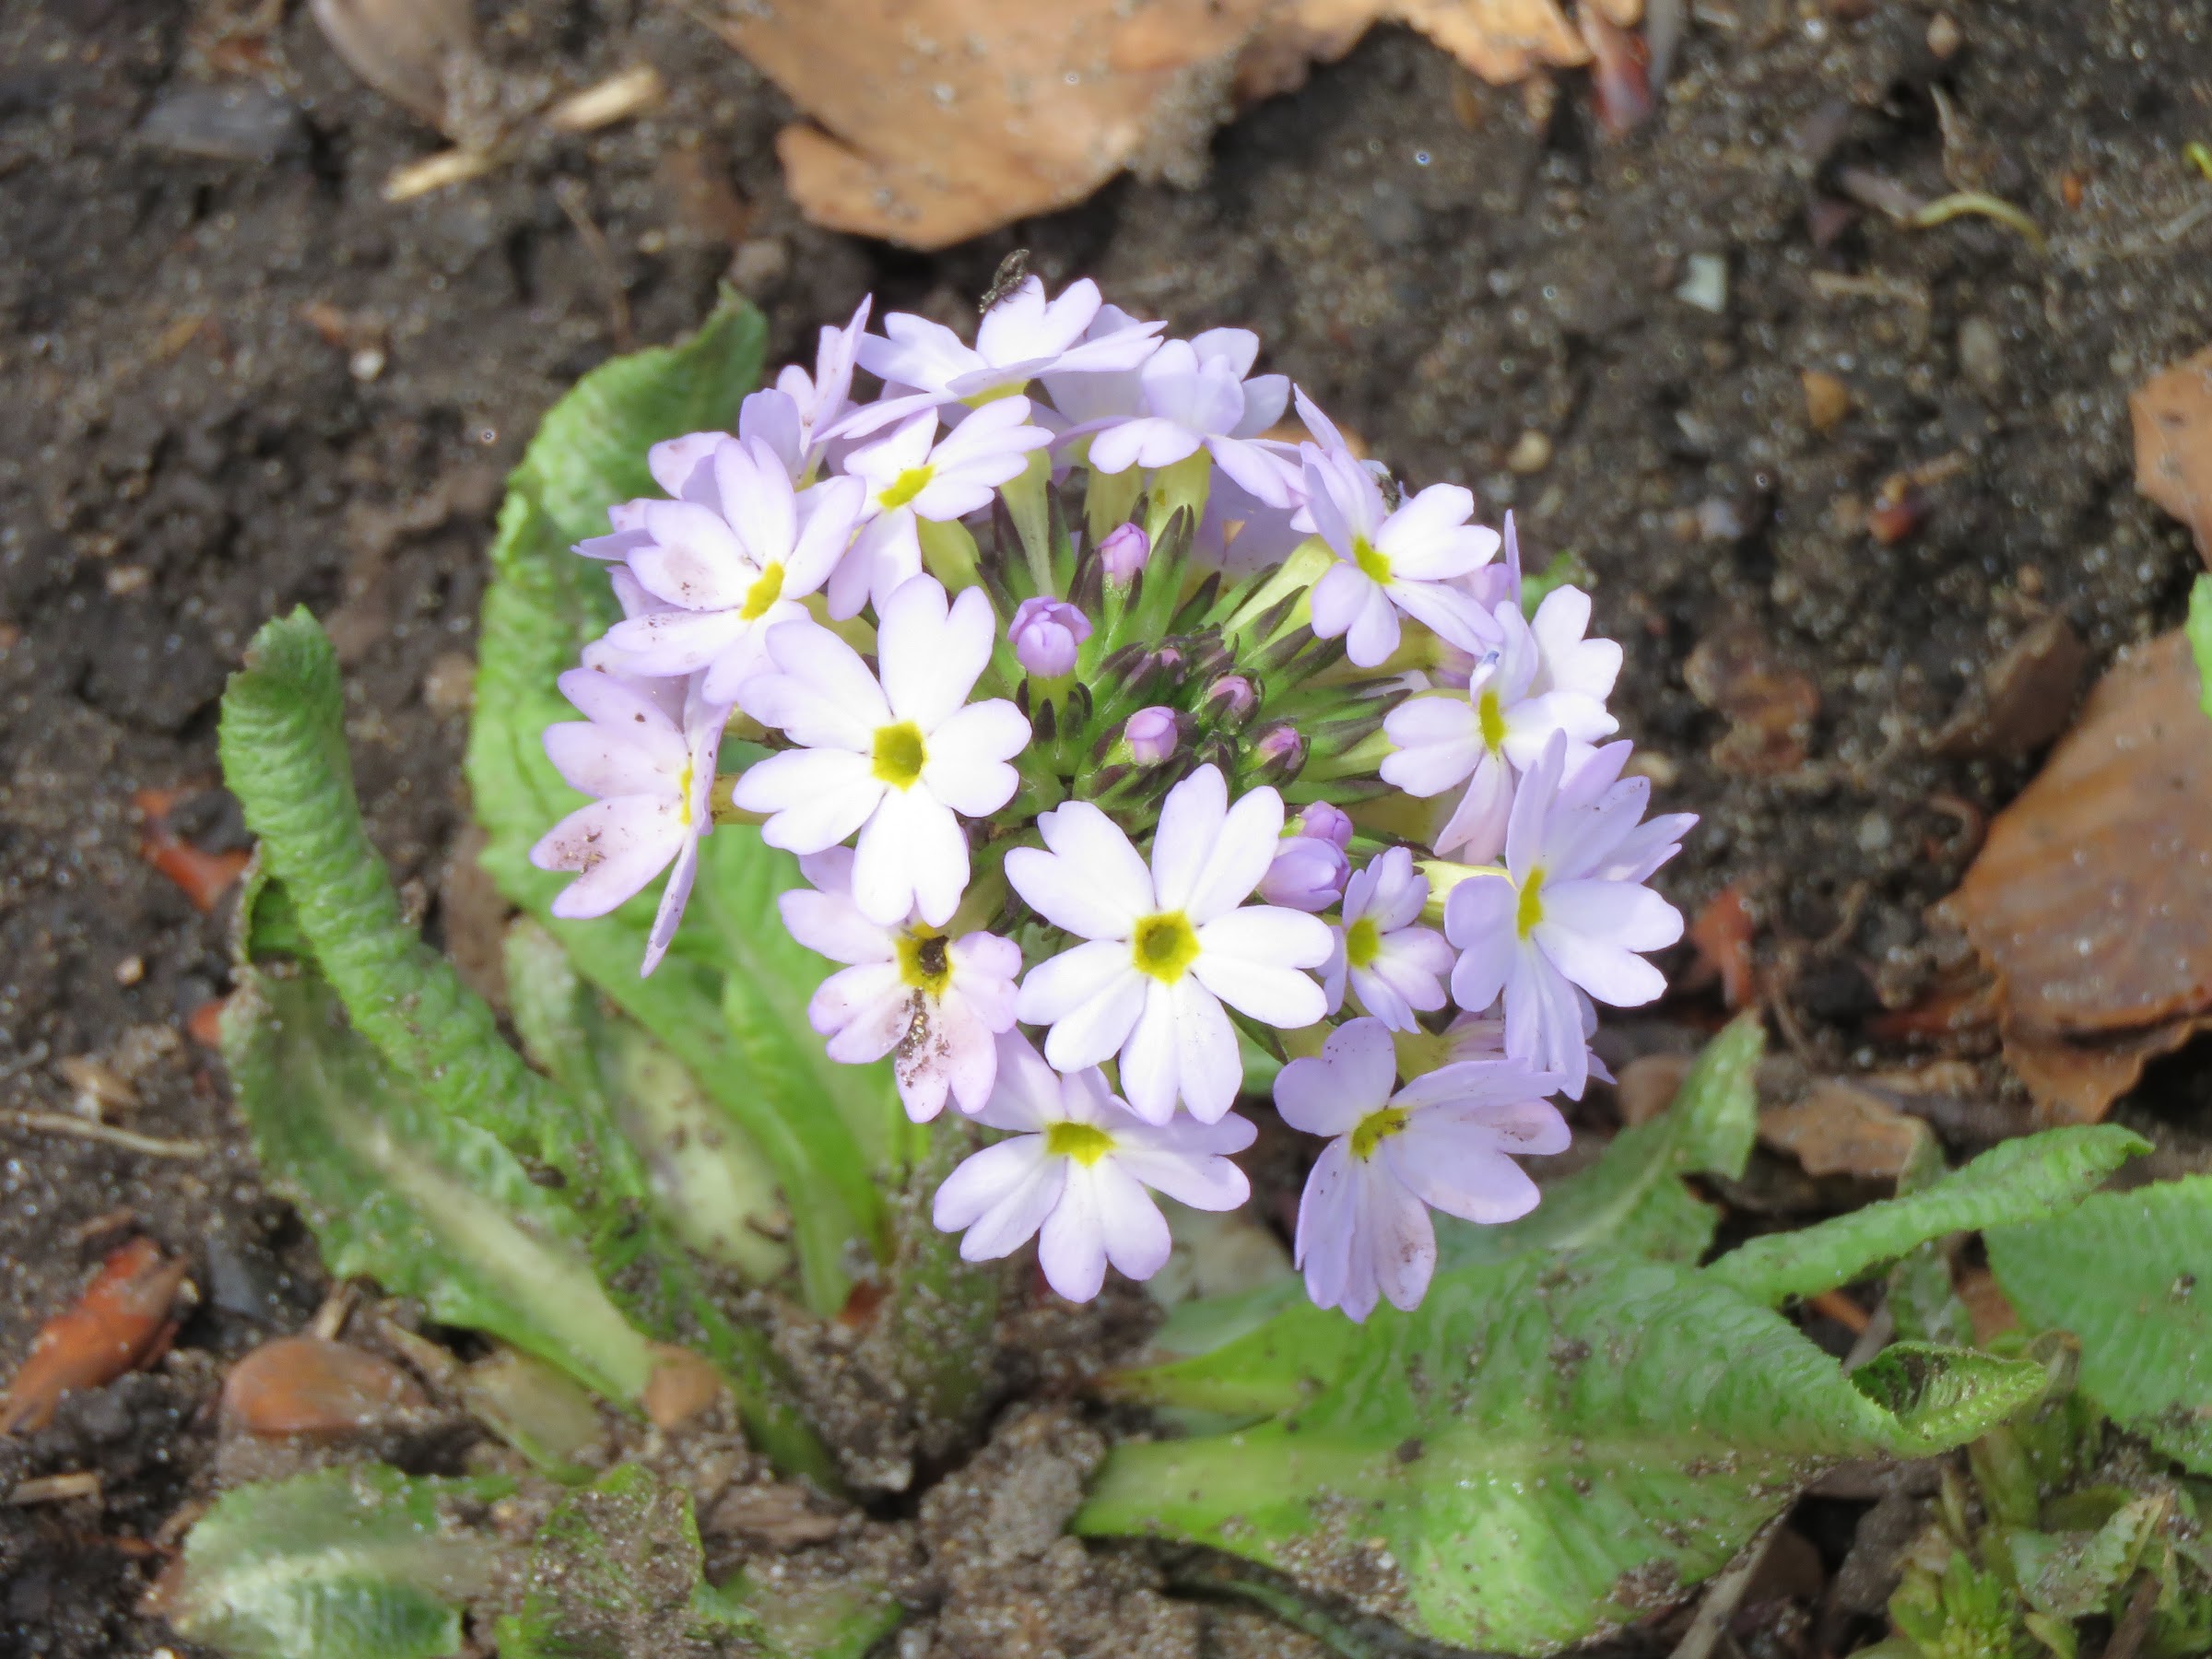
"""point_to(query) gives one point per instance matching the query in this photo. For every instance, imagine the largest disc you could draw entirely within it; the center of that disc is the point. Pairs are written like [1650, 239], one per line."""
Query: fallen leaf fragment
[122, 1321]
[1737, 672]
[304, 1385]
[1838, 1128]
[933, 121]
[2172, 415]
[2090, 896]
[203, 878]
[682, 1387]
[1722, 936]
[2024, 698]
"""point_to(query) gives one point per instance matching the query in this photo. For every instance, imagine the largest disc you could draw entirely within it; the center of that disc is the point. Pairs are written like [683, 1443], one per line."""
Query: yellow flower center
[684, 781]
[1490, 718]
[768, 587]
[905, 488]
[976, 400]
[900, 754]
[1531, 908]
[1164, 945]
[1362, 941]
[1375, 1128]
[926, 961]
[1081, 1141]
[1374, 564]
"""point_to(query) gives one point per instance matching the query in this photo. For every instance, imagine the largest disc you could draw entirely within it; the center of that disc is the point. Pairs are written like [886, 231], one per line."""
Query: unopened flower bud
[1307, 875]
[1232, 700]
[1122, 553]
[1046, 634]
[1152, 735]
[1321, 821]
[1280, 753]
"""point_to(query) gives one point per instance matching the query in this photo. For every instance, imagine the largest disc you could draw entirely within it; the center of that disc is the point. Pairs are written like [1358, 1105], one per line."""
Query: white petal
[1328, 1214]
[1353, 1075]
[1239, 857]
[1001, 1195]
[619, 846]
[1478, 918]
[604, 761]
[822, 697]
[966, 767]
[1151, 1056]
[1190, 826]
[1028, 1092]
[1202, 1180]
[818, 798]
[1375, 632]
[1439, 739]
[1093, 846]
[669, 915]
[1090, 1033]
[675, 641]
[1251, 960]
[1453, 616]
[1607, 971]
[1633, 917]
[871, 999]
[930, 654]
[1071, 1246]
[1209, 1069]
[1060, 984]
[1130, 1224]
[1475, 832]
[1430, 539]
[1461, 1174]
[831, 924]
[911, 855]
[1399, 1239]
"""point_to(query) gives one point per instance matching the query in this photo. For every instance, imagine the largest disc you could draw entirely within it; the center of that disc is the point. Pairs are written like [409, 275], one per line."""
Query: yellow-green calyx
[926, 961]
[906, 486]
[1362, 941]
[768, 587]
[1531, 908]
[1489, 719]
[900, 754]
[1373, 563]
[1375, 1128]
[1081, 1141]
[1164, 945]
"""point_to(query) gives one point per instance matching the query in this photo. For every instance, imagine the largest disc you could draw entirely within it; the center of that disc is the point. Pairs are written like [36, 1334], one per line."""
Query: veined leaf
[2018, 1180]
[2129, 1273]
[360, 1563]
[1265, 1351]
[428, 1202]
[1546, 1449]
[730, 1000]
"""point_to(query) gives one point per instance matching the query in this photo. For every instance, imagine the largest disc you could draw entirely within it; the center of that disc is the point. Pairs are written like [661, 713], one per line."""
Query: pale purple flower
[1322, 821]
[1279, 753]
[1197, 395]
[896, 759]
[1518, 695]
[653, 775]
[924, 365]
[1076, 1172]
[1046, 634]
[1152, 735]
[1308, 874]
[819, 400]
[1124, 552]
[1167, 946]
[1445, 1141]
[1084, 398]
[1388, 562]
[726, 574]
[936, 1003]
[1570, 914]
[1394, 967]
[910, 473]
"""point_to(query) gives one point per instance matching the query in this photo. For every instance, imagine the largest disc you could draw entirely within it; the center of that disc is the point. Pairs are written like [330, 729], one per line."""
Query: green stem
[1025, 503]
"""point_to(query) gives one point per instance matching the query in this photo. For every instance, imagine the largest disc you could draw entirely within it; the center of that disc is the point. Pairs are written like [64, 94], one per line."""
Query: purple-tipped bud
[1152, 735]
[1232, 700]
[1321, 822]
[1124, 552]
[1307, 875]
[1046, 634]
[1280, 753]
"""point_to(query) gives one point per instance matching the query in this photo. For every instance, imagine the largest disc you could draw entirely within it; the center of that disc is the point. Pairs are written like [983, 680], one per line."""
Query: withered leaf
[2172, 413]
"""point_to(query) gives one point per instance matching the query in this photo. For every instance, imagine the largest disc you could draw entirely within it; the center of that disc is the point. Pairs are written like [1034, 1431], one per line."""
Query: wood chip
[57, 1489]
[2172, 415]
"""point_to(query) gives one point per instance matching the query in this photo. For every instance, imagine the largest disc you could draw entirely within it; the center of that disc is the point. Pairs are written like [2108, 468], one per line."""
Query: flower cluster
[1127, 737]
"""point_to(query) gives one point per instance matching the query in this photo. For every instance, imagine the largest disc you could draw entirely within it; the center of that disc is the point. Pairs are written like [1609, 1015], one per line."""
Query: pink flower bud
[1046, 634]
[1321, 822]
[1232, 700]
[1307, 875]
[1152, 735]
[1124, 552]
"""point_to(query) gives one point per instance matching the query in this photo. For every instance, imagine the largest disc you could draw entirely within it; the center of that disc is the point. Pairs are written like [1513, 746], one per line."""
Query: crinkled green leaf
[730, 1000]
[2075, 1574]
[2130, 1275]
[358, 1563]
[428, 1202]
[844, 1617]
[1546, 1448]
[2018, 1180]
[615, 1571]
[2200, 637]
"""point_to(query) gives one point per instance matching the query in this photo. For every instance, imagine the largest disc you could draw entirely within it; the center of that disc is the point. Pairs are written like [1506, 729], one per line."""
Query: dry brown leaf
[943, 119]
[1771, 705]
[2088, 898]
[2172, 413]
[406, 49]
[1838, 1129]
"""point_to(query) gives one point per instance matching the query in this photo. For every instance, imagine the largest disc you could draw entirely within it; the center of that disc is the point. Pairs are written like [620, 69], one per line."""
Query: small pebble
[1705, 283]
[759, 266]
[449, 686]
[1826, 399]
[1981, 356]
[242, 121]
[367, 363]
[130, 970]
[1944, 37]
[1531, 453]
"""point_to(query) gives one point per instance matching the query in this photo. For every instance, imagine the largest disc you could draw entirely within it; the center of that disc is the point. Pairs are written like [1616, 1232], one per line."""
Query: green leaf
[2074, 1574]
[732, 962]
[616, 1571]
[360, 1563]
[1262, 1351]
[2025, 1179]
[2199, 627]
[1545, 1450]
[428, 1202]
[843, 1618]
[2130, 1275]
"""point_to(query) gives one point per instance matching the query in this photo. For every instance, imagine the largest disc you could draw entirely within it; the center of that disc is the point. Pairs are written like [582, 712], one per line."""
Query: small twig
[569, 194]
[330, 1318]
[56, 1122]
[2134, 1624]
[1835, 1305]
[617, 98]
[1945, 208]
[435, 172]
[1722, 1594]
[57, 1489]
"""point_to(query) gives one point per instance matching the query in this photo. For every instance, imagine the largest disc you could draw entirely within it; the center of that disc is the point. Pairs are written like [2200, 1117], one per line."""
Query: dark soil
[231, 383]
